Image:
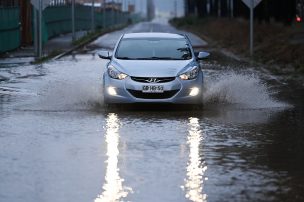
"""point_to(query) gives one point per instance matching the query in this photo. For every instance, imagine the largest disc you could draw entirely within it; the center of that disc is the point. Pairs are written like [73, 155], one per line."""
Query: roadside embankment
[277, 46]
[55, 53]
[61, 45]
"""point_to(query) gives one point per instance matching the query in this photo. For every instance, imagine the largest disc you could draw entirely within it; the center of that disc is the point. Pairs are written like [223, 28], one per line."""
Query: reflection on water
[113, 189]
[195, 168]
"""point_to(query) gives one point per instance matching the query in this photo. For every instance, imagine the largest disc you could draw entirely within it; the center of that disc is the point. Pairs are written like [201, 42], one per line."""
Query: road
[58, 143]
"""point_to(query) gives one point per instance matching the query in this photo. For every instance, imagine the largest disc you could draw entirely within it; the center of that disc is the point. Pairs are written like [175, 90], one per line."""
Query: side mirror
[202, 55]
[105, 54]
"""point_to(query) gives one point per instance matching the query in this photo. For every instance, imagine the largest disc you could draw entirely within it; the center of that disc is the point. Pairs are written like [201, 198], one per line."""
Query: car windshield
[153, 49]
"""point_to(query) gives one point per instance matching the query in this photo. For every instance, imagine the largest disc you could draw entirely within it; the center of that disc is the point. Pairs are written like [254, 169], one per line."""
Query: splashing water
[72, 95]
[73, 91]
[244, 90]
[71, 85]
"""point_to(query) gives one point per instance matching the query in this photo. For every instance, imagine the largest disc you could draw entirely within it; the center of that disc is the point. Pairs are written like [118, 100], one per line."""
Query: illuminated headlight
[191, 74]
[115, 74]
[111, 91]
[194, 91]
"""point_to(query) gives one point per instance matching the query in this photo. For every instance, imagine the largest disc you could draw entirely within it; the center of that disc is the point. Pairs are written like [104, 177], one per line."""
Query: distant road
[108, 41]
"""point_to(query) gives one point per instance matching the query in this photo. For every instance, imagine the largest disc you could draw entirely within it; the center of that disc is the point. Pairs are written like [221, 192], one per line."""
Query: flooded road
[59, 143]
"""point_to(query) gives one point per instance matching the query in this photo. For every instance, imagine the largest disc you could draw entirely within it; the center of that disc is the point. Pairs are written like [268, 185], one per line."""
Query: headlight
[191, 74]
[115, 74]
[194, 91]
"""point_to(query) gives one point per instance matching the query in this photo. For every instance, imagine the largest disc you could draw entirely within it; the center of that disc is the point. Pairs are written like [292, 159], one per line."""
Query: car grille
[153, 79]
[164, 95]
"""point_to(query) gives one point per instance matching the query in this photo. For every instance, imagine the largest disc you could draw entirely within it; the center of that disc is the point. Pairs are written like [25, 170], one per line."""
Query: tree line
[268, 10]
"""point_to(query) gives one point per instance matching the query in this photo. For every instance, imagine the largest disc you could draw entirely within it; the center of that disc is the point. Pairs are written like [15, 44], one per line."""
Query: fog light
[112, 91]
[194, 91]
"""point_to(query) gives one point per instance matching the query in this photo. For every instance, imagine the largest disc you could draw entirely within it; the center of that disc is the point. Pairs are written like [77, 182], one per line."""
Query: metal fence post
[92, 17]
[40, 30]
[35, 31]
[112, 14]
[104, 15]
[73, 21]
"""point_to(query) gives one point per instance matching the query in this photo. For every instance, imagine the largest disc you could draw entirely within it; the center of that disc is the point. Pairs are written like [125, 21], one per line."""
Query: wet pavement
[61, 43]
[59, 143]
[108, 41]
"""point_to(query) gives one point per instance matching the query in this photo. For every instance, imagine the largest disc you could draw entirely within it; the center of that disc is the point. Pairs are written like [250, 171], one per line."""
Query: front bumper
[130, 91]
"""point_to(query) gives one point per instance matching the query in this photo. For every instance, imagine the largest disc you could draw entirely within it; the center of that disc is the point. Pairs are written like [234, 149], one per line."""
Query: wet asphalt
[59, 143]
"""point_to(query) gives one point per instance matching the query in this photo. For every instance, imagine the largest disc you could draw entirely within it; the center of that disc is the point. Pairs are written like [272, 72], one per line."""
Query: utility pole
[73, 21]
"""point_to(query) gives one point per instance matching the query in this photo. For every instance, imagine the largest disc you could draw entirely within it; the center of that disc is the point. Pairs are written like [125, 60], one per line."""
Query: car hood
[152, 68]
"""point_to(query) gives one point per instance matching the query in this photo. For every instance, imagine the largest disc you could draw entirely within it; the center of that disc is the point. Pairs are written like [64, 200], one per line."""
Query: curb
[89, 40]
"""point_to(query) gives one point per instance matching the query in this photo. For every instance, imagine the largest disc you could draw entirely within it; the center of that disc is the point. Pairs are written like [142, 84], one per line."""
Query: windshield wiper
[149, 58]
[159, 58]
[124, 58]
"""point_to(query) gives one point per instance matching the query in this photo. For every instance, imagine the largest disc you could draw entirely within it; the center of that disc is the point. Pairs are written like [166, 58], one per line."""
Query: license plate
[153, 89]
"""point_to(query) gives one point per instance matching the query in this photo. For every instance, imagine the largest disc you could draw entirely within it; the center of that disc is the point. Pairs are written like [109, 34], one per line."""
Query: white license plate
[153, 89]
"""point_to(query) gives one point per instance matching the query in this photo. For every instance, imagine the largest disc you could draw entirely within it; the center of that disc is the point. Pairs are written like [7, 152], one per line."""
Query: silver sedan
[153, 68]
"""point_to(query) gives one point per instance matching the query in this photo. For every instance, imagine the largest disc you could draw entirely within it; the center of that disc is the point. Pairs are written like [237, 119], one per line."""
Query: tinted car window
[153, 49]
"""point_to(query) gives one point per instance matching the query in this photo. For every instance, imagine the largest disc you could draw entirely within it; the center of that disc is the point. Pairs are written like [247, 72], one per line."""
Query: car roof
[153, 35]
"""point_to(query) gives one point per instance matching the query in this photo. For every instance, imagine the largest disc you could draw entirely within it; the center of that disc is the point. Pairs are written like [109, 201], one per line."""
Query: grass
[274, 43]
[86, 38]
[51, 55]
[89, 37]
